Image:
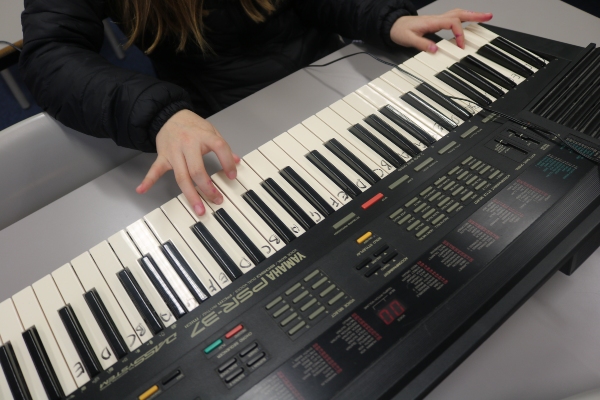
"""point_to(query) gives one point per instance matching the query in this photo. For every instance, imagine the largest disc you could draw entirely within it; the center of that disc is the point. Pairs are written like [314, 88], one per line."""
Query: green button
[466, 196]
[471, 180]
[453, 170]
[467, 160]
[434, 196]
[429, 213]
[319, 282]
[411, 202]
[296, 328]
[280, 312]
[404, 219]
[413, 225]
[493, 175]
[443, 202]
[484, 169]
[447, 147]
[343, 221]
[423, 164]
[300, 297]
[420, 208]
[288, 319]
[462, 175]
[448, 185]
[396, 213]
[475, 165]
[480, 185]
[440, 181]
[457, 190]
[316, 313]
[398, 182]
[467, 133]
[312, 275]
[327, 291]
[422, 232]
[292, 289]
[273, 303]
[438, 219]
[424, 192]
[213, 346]
[308, 305]
[335, 298]
[453, 207]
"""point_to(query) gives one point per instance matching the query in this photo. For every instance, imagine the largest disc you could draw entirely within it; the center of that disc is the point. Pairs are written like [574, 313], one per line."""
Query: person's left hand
[408, 31]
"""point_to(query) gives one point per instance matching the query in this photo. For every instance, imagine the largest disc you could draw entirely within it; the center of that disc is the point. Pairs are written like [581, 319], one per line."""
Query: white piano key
[405, 84]
[293, 149]
[50, 301]
[266, 248]
[379, 89]
[72, 293]
[354, 117]
[109, 265]
[440, 62]
[325, 134]
[248, 178]
[360, 104]
[183, 222]
[263, 167]
[147, 244]
[129, 256]
[5, 393]
[10, 331]
[31, 315]
[451, 49]
[426, 74]
[282, 160]
[165, 231]
[311, 142]
[220, 234]
[234, 191]
[472, 39]
[489, 36]
[91, 278]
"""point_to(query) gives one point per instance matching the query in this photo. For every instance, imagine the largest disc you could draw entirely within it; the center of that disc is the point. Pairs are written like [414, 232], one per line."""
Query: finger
[225, 156]
[421, 43]
[157, 169]
[451, 23]
[236, 158]
[469, 16]
[197, 172]
[459, 34]
[184, 180]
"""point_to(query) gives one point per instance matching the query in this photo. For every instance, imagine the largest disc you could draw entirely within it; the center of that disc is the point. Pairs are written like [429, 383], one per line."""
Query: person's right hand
[180, 144]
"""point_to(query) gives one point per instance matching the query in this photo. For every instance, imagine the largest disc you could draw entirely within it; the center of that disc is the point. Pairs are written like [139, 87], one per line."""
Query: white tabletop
[10, 21]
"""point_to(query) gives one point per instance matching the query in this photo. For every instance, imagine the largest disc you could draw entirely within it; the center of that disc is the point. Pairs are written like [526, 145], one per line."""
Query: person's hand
[408, 31]
[180, 144]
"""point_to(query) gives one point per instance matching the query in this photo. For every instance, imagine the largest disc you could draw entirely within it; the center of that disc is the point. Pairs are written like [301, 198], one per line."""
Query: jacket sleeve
[72, 82]
[368, 20]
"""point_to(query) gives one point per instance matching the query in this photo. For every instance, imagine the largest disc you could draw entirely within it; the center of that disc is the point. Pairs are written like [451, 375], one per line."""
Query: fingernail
[231, 175]
[218, 200]
[432, 48]
[199, 209]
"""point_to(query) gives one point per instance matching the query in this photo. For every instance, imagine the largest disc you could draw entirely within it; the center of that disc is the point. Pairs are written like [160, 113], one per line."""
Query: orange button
[234, 331]
[373, 200]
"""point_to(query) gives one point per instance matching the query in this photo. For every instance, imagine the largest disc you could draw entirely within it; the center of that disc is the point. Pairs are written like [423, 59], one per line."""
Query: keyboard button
[13, 374]
[151, 319]
[84, 348]
[267, 214]
[106, 323]
[42, 364]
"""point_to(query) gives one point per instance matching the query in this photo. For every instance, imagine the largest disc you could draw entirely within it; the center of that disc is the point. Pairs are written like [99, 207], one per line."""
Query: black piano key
[444, 101]
[268, 216]
[42, 364]
[392, 134]
[185, 272]
[214, 248]
[239, 236]
[13, 374]
[507, 62]
[476, 80]
[140, 300]
[409, 126]
[288, 203]
[488, 72]
[463, 88]
[516, 51]
[107, 325]
[306, 190]
[162, 285]
[351, 160]
[377, 145]
[333, 173]
[80, 341]
[429, 111]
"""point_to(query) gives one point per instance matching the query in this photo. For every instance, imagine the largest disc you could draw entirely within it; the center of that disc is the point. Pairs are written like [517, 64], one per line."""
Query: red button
[373, 200]
[234, 331]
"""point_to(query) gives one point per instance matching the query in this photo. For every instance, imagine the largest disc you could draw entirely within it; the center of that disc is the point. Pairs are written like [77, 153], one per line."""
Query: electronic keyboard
[351, 254]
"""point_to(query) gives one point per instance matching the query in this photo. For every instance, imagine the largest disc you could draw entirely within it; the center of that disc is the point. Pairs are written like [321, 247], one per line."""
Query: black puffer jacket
[72, 82]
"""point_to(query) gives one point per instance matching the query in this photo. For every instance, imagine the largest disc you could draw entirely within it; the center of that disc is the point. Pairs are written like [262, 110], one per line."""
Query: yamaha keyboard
[350, 253]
